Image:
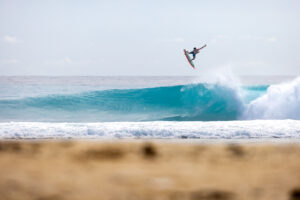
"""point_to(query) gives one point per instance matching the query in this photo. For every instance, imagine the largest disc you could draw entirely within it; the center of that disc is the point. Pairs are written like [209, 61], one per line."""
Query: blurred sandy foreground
[134, 170]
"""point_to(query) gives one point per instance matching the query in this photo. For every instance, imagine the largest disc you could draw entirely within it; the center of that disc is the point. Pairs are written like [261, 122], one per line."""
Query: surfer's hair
[195, 48]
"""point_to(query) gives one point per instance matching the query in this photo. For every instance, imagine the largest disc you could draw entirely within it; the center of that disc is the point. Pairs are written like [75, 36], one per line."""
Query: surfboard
[188, 58]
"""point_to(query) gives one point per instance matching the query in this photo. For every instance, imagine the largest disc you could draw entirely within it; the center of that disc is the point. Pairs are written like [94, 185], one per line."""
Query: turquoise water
[190, 102]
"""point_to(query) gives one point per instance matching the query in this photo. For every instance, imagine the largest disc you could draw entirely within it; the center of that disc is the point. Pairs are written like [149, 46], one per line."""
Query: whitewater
[149, 107]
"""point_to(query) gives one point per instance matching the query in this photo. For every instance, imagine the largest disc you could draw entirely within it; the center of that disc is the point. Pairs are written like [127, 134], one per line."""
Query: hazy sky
[137, 37]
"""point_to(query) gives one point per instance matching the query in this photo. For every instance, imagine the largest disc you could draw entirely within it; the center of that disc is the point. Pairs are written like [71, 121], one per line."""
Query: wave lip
[254, 129]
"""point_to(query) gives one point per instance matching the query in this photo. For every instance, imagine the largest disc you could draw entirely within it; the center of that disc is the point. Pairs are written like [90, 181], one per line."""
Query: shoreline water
[235, 130]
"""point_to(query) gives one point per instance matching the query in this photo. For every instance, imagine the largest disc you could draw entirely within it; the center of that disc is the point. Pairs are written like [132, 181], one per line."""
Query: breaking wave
[183, 102]
[193, 102]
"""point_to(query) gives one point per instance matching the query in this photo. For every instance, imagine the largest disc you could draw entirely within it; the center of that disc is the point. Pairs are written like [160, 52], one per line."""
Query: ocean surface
[223, 107]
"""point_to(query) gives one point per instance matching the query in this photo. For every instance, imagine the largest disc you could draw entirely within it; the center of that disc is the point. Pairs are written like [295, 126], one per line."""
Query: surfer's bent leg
[194, 56]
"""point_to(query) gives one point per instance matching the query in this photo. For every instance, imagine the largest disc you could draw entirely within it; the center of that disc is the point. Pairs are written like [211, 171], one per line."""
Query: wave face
[194, 102]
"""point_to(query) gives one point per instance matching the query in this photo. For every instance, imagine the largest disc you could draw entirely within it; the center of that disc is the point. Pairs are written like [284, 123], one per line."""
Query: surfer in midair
[196, 51]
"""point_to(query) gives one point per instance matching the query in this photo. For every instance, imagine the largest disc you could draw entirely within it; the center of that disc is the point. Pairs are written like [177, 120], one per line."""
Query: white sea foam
[281, 101]
[253, 129]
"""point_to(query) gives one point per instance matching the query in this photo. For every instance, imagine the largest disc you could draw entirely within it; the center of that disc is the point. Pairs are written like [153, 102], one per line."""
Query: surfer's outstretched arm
[202, 47]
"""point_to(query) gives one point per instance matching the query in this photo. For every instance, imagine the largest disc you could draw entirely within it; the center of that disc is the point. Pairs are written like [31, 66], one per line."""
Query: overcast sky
[137, 37]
